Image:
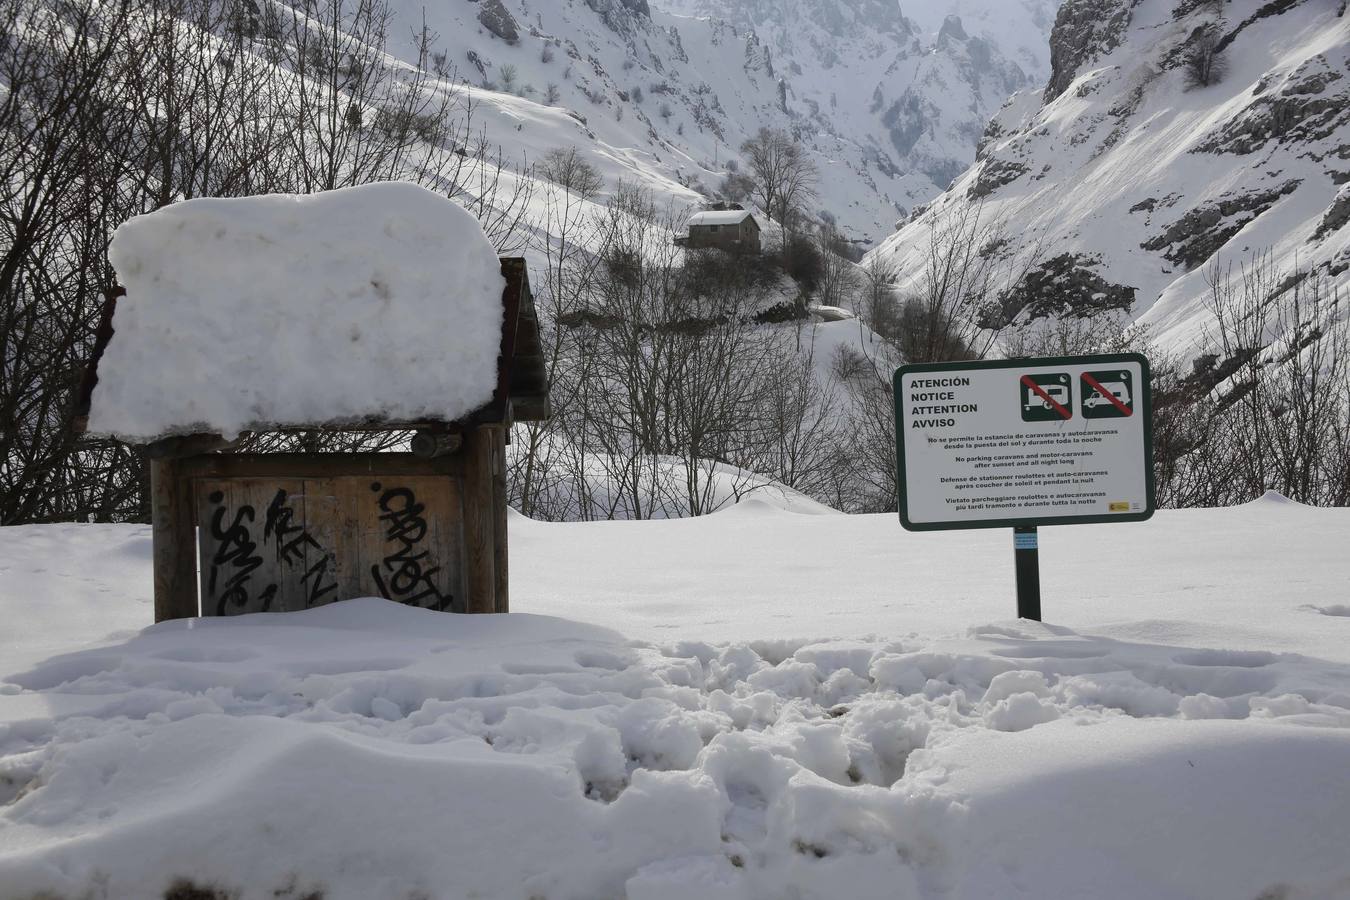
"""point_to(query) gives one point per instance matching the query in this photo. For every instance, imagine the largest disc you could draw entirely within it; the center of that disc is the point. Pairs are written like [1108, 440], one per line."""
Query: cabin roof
[520, 394]
[721, 217]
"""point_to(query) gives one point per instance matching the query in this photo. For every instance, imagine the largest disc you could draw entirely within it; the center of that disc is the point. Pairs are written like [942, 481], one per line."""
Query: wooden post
[480, 532]
[173, 542]
[499, 519]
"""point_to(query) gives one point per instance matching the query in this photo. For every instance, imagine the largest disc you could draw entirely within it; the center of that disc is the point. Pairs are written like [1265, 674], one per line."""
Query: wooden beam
[181, 445]
[531, 409]
[500, 587]
[173, 542]
[316, 465]
[431, 444]
[480, 533]
[530, 374]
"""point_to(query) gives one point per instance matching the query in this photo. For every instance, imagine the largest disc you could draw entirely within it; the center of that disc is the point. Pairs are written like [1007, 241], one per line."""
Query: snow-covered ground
[755, 703]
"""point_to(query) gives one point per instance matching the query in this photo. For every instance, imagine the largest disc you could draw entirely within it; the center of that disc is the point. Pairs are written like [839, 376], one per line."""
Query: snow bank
[1185, 735]
[380, 301]
[367, 750]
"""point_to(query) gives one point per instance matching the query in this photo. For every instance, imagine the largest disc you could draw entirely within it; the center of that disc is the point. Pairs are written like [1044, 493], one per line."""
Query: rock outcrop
[497, 19]
[1084, 30]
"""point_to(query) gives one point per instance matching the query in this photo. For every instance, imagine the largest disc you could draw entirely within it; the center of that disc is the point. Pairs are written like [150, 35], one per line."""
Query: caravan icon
[1046, 397]
[1056, 392]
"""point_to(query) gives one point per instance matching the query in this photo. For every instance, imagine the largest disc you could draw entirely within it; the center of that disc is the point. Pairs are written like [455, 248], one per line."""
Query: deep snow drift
[292, 310]
[791, 706]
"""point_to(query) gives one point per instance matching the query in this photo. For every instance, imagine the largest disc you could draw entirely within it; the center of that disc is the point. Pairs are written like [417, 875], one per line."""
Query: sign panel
[287, 544]
[1048, 441]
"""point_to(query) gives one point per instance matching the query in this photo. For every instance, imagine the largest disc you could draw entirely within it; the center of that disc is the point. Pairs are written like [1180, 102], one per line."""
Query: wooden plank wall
[240, 533]
[282, 544]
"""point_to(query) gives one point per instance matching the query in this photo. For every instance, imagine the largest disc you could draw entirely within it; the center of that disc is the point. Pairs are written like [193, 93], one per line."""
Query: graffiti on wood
[294, 544]
[406, 573]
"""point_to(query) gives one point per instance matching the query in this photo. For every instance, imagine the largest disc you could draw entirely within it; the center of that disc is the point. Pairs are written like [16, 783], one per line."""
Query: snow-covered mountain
[1170, 133]
[889, 102]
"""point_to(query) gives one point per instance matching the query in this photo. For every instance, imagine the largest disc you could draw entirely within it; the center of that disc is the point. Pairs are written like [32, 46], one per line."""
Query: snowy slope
[811, 706]
[889, 110]
[1122, 182]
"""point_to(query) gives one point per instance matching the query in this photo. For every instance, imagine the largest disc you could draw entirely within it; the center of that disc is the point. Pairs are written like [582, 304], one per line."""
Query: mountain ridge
[1147, 181]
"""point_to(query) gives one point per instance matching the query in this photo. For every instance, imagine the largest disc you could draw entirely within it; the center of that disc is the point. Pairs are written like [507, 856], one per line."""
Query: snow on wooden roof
[720, 217]
[365, 307]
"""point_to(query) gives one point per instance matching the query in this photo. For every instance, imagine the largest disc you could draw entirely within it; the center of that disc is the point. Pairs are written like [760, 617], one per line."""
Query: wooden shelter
[242, 532]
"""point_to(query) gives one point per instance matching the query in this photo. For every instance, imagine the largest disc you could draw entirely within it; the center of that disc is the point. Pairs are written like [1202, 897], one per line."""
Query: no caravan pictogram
[1046, 397]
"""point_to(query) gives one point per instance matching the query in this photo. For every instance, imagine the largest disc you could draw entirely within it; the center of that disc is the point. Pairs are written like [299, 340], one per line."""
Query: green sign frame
[1144, 404]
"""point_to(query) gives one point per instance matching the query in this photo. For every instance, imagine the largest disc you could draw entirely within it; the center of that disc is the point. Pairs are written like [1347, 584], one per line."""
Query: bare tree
[1280, 402]
[805, 442]
[565, 166]
[1202, 59]
[838, 281]
[61, 106]
[668, 386]
[547, 477]
[784, 177]
[108, 110]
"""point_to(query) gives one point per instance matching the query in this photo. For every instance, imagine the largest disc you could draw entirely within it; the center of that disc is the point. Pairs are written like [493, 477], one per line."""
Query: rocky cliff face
[889, 107]
[1173, 135]
[912, 85]
[1084, 30]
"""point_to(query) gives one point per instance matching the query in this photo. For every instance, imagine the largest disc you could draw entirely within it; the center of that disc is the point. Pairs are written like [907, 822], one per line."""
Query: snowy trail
[368, 750]
[1269, 575]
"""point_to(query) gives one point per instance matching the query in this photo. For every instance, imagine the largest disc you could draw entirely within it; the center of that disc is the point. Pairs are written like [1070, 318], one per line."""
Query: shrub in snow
[374, 302]
[1203, 61]
[565, 167]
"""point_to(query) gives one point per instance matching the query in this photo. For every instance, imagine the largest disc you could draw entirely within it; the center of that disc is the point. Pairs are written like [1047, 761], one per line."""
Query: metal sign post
[1027, 562]
[1022, 443]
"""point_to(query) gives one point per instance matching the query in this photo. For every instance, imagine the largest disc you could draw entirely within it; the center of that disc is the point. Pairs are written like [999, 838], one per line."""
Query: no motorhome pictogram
[1045, 398]
[1107, 395]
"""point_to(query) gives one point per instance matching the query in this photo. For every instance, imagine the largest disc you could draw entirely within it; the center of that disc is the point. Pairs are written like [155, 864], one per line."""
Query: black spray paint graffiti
[236, 554]
[406, 526]
[291, 550]
[236, 549]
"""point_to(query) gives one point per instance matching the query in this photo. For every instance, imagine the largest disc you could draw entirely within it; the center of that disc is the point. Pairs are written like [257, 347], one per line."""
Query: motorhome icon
[1118, 389]
[1107, 395]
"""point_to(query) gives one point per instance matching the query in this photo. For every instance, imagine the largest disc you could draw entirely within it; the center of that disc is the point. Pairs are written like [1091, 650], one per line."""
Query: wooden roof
[521, 394]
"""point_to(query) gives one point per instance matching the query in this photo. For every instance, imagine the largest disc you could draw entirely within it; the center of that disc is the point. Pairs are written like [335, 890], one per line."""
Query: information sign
[1024, 442]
